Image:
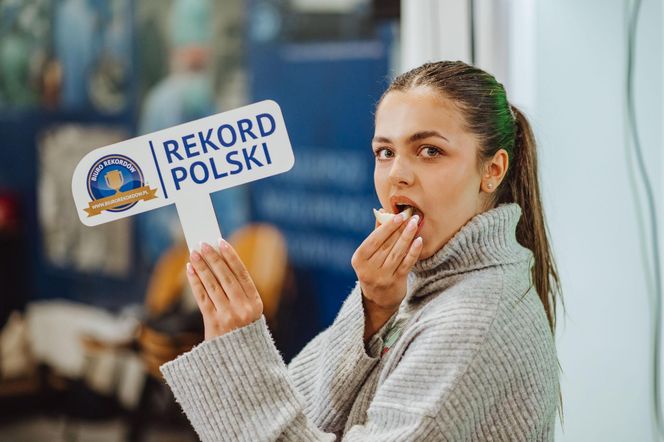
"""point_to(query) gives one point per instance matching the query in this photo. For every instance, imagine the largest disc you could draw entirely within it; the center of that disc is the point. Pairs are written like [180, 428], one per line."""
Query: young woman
[449, 332]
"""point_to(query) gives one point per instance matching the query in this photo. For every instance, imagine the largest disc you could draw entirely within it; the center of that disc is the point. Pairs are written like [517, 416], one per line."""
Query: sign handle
[198, 220]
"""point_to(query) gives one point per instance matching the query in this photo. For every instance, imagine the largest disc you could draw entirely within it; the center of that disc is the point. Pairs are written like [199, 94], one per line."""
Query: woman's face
[425, 158]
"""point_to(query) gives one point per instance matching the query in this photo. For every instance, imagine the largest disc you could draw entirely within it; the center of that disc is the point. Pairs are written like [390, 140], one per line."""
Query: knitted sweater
[475, 360]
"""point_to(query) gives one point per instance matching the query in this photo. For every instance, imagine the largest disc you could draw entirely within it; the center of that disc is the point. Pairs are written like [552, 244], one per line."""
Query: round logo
[114, 177]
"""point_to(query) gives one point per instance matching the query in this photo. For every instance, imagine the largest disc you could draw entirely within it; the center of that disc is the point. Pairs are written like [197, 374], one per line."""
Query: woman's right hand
[382, 263]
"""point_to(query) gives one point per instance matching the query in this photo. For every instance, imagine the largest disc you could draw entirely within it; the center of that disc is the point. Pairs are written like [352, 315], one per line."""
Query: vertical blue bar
[161, 180]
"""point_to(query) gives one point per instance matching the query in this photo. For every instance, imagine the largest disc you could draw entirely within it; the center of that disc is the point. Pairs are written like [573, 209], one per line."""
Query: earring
[490, 185]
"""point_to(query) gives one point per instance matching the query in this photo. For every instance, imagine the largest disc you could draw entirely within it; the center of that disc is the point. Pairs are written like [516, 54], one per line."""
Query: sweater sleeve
[237, 387]
[330, 370]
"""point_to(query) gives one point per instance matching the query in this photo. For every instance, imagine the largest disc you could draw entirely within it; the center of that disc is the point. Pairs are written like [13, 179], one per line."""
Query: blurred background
[87, 315]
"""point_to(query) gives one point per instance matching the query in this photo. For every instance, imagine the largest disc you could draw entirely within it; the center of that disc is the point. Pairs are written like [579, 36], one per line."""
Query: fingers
[378, 258]
[214, 290]
[223, 289]
[239, 270]
[410, 259]
[376, 238]
[222, 272]
[381, 210]
[398, 252]
[205, 304]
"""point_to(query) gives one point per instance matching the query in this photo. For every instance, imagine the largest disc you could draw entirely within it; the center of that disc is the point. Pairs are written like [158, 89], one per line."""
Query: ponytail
[531, 232]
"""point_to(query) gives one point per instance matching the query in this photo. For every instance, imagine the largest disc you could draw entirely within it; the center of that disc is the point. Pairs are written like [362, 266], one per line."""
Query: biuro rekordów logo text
[116, 183]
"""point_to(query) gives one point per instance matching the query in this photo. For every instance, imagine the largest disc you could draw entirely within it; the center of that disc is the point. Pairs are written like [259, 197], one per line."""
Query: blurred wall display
[92, 43]
[339, 20]
[327, 72]
[24, 44]
[211, 32]
[328, 6]
[73, 54]
[199, 72]
[67, 243]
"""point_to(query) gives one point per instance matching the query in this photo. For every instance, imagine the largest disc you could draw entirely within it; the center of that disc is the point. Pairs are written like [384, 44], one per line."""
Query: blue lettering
[179, 174]
[245, 130]
[172, 153]
[215, 173]
[267, 154]
[206, 173]
[237, 164]
[273, 125]
[188, 146]
[248, 159]
[220, 135]
[205, 141]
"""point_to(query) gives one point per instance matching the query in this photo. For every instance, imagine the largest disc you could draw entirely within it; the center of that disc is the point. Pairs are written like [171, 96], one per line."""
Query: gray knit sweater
[475, 360]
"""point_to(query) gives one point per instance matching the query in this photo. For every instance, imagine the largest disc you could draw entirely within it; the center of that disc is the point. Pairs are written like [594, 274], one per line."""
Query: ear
[494, 171]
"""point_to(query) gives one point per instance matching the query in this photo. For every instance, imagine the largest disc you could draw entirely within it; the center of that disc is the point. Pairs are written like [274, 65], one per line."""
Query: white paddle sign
[182, 165]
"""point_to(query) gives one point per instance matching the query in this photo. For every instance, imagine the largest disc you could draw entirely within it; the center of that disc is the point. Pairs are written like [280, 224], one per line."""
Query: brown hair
[497, 124]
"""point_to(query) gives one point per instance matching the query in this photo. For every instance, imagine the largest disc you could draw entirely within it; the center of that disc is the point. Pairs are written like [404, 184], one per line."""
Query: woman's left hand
[223, 288]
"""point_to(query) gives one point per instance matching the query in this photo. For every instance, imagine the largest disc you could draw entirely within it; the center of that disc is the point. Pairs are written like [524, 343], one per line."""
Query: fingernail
[195, 256]
[190, 269]
[222, 243]
[404, 216]
[413, 221]
[398, 218]
[206, 247]
[418, 241]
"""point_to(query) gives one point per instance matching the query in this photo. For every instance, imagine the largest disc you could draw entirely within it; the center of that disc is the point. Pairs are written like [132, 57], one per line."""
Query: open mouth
[400, 204]
[413, 210]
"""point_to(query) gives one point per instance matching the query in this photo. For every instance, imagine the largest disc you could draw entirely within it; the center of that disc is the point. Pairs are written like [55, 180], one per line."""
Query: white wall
[604, 341]
[434, 30]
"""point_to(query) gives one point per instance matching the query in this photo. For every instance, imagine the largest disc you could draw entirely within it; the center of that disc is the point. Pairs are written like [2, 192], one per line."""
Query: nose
[401, 174]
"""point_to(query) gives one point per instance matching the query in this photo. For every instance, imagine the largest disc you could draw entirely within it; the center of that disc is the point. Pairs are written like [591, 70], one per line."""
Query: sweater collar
[487, 239]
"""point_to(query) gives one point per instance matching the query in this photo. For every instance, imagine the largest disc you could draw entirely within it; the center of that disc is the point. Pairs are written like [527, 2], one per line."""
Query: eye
[383, 153]
[430, 152]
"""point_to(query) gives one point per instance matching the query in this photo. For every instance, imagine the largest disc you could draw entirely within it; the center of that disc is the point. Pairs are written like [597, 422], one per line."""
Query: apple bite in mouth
[385, 217]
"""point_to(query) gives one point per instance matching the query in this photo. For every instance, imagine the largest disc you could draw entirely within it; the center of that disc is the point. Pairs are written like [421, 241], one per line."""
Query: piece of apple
[385, 217]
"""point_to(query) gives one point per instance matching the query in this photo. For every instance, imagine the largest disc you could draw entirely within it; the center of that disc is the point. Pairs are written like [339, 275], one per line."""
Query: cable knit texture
[475, 360]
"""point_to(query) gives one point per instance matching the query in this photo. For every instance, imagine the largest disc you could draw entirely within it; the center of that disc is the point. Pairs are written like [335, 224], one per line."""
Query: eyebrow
[415, 137]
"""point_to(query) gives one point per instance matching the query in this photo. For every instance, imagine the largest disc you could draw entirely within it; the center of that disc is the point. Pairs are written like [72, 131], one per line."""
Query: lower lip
[419, 226]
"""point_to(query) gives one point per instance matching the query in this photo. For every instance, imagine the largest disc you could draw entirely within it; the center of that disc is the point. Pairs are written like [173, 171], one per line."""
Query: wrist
[375, 317]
